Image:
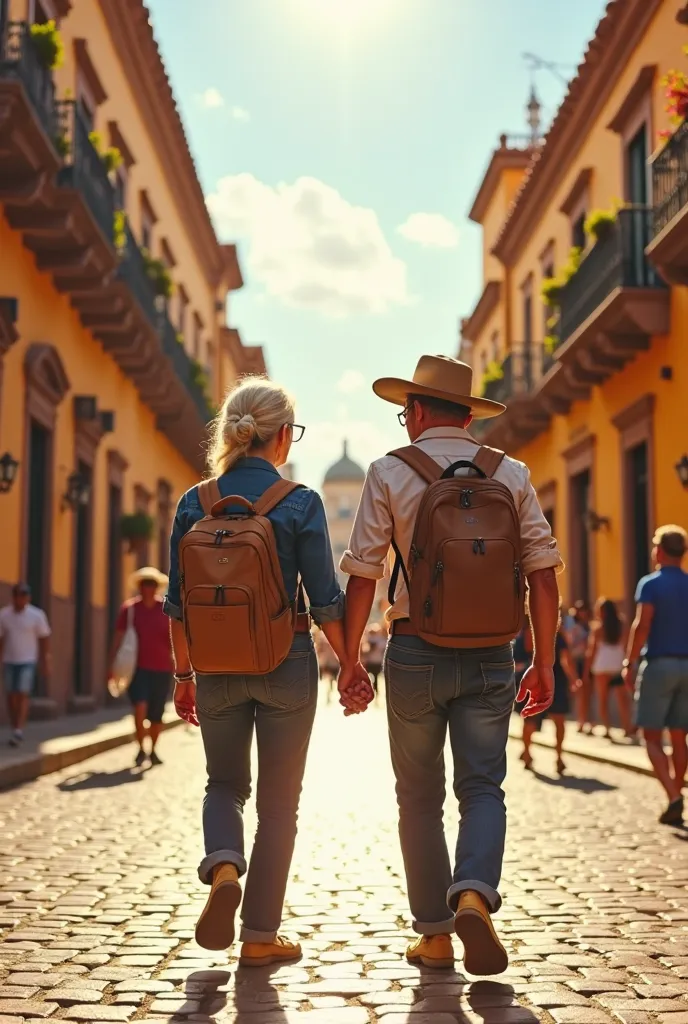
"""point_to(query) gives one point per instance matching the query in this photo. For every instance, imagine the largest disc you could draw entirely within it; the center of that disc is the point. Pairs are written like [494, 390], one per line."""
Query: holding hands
[355, 690]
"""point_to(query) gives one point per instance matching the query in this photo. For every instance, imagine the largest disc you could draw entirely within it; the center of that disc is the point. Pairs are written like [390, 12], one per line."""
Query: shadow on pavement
[579, 782]
[101, 780]
[251, 1002]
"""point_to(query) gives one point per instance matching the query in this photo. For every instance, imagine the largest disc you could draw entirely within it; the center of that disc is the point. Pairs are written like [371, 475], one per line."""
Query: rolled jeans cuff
[434, 927]
[491, 896]
[205, 868]
[249, 935]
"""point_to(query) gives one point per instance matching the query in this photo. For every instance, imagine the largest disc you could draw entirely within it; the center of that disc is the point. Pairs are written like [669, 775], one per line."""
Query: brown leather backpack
[237, 616]
[464, 575]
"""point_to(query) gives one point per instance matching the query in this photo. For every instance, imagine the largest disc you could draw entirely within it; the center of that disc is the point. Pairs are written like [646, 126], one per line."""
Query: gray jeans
[281, 709]
[470, 693]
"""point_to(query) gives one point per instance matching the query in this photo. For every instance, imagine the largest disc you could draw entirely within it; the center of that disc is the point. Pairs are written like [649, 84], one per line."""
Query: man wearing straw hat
[150, 687]
[462, 686]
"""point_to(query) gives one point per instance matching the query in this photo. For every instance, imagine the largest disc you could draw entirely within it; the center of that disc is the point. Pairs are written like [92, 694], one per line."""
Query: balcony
[668, 248]
[28, 117]
[612, 306]
[84, 170]
[523, 369]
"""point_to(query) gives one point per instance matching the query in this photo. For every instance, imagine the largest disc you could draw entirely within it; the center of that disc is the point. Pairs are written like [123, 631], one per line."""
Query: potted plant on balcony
[48, 44]
[137, 529]
[119, 231]
[159, 275]
[111, 156]
[199, 377]
[494, 372]
[551, 288]
[676, 84]
[600, 224]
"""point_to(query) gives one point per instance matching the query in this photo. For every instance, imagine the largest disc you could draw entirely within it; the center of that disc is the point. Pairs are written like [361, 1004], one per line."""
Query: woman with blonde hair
[251, 437]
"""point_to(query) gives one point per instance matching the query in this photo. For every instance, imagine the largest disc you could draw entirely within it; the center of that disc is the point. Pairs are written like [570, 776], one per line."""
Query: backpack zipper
[479, 547]
[517, 578]
[465, 500]
[219, 595]
[427, 607]
[221, 534]
[439, 569]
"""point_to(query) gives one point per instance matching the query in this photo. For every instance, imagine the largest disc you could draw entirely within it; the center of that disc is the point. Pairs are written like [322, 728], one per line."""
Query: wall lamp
[682, 16]
[8, 472]
[78, 492]
[681, 468]
[595, 523]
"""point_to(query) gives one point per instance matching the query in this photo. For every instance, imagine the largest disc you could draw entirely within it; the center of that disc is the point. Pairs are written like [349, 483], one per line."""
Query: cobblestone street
[99, 897]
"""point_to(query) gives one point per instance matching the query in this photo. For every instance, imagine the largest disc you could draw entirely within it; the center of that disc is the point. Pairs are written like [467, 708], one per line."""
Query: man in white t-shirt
[24, 646]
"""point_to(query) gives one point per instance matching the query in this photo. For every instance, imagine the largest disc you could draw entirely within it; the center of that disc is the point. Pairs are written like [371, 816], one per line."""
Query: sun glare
[347, 14]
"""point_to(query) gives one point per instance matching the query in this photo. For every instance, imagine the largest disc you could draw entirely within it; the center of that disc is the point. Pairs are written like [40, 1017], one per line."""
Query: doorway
[639, 492]
[82, 590]
[114, 557]
[580, 541]
[39, 510]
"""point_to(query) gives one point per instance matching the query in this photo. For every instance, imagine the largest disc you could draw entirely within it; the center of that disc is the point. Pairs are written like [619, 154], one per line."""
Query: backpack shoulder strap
[488, 460]
[274, 494]
[418, 460]
[208, 494]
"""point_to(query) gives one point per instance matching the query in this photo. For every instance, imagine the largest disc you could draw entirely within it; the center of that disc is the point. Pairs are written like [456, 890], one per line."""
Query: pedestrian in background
[577, 633]
[566, 683]
[253, 434]
[151, 686]
[374, 653]
[659, 635]
[25, 649]
[604, 662]
[327, 663]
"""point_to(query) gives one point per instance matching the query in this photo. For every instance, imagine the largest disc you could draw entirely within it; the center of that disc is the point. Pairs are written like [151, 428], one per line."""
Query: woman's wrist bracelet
[185, 677]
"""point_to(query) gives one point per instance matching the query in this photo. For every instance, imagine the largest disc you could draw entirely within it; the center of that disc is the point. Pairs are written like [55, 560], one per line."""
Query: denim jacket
[301, 536]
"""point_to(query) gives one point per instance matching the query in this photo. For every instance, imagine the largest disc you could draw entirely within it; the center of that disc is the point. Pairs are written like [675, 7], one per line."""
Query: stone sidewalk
[60, 742]
[99, 896]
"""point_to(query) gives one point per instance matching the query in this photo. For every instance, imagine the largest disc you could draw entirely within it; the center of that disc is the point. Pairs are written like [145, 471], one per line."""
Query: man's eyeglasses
[297, 431]
[403, 416]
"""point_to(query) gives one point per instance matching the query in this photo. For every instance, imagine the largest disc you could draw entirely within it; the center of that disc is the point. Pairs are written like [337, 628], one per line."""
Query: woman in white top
[605, 661]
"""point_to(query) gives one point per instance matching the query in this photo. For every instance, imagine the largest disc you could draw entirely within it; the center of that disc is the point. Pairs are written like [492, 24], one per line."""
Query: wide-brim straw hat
[439, 377]
[148, 572]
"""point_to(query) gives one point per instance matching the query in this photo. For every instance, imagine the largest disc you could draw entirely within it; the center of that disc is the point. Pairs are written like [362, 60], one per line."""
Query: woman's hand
[185, 702]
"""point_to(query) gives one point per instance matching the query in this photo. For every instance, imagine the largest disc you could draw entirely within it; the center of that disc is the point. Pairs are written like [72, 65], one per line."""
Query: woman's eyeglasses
[297, 431]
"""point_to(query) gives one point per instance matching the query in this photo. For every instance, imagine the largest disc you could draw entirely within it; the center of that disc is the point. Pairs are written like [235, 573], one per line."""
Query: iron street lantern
[595, 523]
[682, 16]
[78, 491]
[8, 472]
[681, 468]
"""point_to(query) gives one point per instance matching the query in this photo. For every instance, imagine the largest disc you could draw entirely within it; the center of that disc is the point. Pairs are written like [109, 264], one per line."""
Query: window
[42, 12]
[181, 311]
[148, 220]
[197, 337]
[121, 181]
[578, 236]
[527, 292]
[495, 346]
[484, 361]
[86, 108]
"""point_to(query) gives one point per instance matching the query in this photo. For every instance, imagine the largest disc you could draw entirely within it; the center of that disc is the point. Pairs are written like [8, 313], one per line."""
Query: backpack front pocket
[478, 588]
[218, 619]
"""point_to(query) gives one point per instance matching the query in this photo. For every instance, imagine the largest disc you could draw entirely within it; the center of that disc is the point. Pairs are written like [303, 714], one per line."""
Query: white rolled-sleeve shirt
[391, 498]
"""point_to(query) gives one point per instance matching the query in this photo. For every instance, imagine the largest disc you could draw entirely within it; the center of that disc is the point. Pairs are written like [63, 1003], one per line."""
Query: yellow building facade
[595, 372]
[114, 348]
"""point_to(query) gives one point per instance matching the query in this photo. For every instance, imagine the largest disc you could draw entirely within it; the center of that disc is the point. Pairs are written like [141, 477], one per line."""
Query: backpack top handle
[462, 464]
[233, 499]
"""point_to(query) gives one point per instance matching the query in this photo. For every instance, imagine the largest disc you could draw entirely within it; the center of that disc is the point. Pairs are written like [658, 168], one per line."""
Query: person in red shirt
[150, 688]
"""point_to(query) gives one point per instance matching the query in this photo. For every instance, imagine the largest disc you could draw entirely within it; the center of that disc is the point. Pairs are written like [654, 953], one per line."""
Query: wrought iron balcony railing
[19, 60]
[670, 179]
[83, 168]
[132, 271]
[183, 366]
[616, 261]
[522, 368]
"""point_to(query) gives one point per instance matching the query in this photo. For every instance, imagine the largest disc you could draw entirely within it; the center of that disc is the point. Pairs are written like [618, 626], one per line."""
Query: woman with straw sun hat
[151, 683]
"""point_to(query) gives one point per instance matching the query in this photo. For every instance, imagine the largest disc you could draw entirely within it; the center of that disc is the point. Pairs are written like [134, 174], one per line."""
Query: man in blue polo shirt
[660, 635]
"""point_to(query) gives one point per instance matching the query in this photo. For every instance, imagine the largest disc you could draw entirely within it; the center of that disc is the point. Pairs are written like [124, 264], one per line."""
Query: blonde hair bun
[241, 429]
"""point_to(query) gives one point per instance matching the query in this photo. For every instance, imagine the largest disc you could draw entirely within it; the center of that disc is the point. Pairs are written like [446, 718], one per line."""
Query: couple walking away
[462, 531]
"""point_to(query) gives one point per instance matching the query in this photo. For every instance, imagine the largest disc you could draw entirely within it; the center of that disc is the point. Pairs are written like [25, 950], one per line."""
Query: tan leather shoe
[215, 928]
[261, 954]
[483, 952]
[432, 951]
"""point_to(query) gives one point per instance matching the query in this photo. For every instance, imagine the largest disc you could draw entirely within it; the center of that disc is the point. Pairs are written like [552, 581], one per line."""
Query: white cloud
[239, 114]
[430, 230]
[212, 98]
[350, 381]
[309, 246]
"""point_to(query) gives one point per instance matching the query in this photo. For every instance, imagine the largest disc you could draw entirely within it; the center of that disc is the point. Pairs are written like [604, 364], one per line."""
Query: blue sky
[320, 128]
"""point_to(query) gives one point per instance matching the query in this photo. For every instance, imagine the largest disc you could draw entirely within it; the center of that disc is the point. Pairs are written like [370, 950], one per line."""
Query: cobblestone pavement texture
[99, 897]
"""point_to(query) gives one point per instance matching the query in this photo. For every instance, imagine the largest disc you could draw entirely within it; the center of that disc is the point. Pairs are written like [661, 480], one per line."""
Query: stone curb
[35, 765]
[589, 755]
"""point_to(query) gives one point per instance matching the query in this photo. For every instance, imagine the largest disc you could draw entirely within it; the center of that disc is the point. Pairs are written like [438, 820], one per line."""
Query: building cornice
[502, 159]
[617, 35]
[132, 33]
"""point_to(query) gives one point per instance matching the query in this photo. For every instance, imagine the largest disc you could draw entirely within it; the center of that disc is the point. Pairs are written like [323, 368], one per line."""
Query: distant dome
[345, 471]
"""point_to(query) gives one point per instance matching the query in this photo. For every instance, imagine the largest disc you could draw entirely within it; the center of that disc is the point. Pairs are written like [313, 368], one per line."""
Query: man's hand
[355, 690]
[185, 702]
[629, 676]
[538, 685]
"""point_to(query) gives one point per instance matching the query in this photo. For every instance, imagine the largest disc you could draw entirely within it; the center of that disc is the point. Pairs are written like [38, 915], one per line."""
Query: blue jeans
[280, 707]
[19, 677]
[470, 693]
